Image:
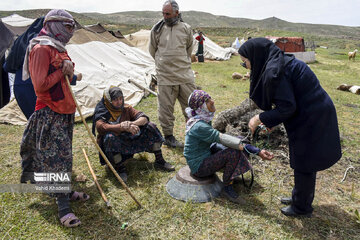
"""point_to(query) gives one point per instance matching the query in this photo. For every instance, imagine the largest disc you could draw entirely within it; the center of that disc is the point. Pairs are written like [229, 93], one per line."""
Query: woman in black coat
[290, 93]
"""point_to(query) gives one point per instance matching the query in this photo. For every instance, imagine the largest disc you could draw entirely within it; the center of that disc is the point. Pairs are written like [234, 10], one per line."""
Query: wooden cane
[96, 181]
[98, 147]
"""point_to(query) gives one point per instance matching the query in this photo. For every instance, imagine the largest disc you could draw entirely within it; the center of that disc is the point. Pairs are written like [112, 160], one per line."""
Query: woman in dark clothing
[200, 51]
[290, 93]
[124, 131]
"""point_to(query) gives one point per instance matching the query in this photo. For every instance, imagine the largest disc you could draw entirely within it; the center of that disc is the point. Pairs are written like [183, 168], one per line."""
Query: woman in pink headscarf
[46, 146]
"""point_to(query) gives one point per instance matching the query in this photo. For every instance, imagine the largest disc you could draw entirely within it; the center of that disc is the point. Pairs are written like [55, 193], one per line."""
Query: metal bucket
[186, 187]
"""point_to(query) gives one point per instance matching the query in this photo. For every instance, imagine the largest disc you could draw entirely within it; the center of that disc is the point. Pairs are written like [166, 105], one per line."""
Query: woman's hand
[128, 126]
[125, 125]
[254, 122]
[68, 68]
[79, 77]
[266, 155]
[133, 129]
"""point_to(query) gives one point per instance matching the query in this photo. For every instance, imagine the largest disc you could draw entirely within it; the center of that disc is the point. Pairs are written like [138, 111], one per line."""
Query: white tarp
[16, 20]
[102, 64]
[212, 50]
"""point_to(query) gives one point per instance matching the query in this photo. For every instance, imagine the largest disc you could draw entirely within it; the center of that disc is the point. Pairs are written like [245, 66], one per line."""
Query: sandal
[70, 220]
[79, 196]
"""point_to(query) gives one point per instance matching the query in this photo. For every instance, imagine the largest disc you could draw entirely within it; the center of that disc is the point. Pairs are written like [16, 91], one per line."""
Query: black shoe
[164, 166]
[286, 200]
[289, 211]
[124, 176]
[229, 193]
[121, 170]
[171, 141]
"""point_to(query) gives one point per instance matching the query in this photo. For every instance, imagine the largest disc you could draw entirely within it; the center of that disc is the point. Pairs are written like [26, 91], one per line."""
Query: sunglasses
[243, 64]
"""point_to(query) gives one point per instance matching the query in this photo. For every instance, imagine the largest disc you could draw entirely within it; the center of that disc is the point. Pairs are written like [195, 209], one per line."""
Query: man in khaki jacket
[170, 45]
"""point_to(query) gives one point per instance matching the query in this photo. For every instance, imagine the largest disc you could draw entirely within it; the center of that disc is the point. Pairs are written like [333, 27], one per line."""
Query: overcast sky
[339, 12]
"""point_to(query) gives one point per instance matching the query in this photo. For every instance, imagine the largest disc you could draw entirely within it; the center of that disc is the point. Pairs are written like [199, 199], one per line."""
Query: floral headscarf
[198, 109]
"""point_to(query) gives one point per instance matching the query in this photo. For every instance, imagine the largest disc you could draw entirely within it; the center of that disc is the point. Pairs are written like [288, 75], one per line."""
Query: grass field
[34, 216]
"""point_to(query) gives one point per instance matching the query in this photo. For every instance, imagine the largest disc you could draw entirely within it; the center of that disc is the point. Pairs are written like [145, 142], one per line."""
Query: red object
[289, 44]
[40, 59]
[202, 40]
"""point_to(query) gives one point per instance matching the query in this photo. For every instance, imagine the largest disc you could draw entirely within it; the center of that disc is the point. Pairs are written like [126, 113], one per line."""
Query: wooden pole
[98, 147]
[142, 88]
[96, 181]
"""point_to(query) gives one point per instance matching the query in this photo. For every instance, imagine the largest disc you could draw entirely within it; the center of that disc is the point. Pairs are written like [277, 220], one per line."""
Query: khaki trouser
[167, 95]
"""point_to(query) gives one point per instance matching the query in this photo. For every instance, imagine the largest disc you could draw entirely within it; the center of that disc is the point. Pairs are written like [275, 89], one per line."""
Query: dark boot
[289, 211]
[121, 170]
[161, 163]
[229, 192]
[286, 200]
[171, 141]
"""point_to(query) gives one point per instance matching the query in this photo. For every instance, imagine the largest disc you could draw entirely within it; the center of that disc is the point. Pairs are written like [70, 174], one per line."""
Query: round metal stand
[186, 187]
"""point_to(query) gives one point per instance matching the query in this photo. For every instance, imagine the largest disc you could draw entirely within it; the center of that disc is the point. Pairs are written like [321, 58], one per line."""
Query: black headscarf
[267, 66]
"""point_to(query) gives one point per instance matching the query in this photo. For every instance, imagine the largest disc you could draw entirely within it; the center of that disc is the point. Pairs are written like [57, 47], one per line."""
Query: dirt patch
[235, 122]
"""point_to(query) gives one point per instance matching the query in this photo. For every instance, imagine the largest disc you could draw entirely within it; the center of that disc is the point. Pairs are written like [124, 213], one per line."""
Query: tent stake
[98, 147]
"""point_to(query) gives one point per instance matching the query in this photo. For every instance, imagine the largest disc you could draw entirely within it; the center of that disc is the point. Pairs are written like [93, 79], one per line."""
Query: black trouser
[303, 192]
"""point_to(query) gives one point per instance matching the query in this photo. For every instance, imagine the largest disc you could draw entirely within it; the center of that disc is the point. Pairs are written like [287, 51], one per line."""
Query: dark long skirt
[234, 162]
[46, 146]
[200, 52]
[127, 144]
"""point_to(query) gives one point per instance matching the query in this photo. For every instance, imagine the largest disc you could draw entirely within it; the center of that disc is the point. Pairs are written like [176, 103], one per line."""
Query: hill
[35, 13]
[202, 19]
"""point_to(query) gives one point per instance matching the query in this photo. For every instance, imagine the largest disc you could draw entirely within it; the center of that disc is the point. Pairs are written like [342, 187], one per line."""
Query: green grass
[34, 216]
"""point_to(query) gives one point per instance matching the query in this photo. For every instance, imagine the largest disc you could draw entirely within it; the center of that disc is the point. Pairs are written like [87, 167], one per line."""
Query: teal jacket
[197, 144]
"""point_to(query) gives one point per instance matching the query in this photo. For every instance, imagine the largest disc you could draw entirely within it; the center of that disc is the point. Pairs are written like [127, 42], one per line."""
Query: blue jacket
[309, 117]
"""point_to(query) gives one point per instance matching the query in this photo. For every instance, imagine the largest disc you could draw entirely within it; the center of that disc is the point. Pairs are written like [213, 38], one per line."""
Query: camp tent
[103, 62]
[140, 39]
[212, 50]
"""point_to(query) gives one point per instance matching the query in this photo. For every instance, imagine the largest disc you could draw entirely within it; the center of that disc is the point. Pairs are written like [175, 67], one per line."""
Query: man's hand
[266, 155]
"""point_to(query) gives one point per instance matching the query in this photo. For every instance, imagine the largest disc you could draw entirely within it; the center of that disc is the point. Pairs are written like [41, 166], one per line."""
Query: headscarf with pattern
[110, 94]
[198, 109]
[54, 33]
[55, 25]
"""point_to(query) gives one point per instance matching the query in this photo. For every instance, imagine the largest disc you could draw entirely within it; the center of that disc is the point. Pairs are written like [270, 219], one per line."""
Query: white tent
[212, 50]
[140, 39]
[102, 64]
[237, 44]
[16, 20]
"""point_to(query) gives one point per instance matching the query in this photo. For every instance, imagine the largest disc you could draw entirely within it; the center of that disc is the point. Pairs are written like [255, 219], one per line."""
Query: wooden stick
[96, 181]
[98, 147]
[141, 87]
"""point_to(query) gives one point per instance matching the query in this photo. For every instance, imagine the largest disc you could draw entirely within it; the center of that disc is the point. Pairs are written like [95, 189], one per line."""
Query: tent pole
[142, 88]
[98, 147]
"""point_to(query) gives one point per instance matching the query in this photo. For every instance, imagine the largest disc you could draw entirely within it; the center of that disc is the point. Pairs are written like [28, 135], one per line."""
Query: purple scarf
[197, 109]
